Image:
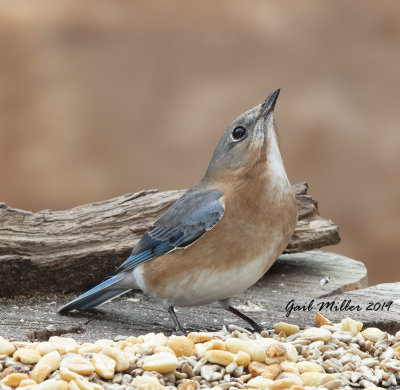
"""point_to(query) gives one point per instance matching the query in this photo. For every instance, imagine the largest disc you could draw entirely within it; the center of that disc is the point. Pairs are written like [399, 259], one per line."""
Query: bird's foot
[179, 329]
[255, 325]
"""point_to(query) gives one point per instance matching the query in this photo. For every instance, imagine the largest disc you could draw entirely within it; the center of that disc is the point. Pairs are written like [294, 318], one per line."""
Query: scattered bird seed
[326, 356]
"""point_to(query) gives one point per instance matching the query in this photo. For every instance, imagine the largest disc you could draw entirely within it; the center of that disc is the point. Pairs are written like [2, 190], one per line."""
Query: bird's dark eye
[238, 133]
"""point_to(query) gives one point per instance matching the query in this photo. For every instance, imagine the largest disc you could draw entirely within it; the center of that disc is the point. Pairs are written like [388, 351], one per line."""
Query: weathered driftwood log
[73, 249]
[294, 278]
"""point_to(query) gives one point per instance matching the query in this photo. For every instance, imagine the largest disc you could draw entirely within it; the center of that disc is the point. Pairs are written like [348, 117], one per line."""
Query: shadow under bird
[223, 234]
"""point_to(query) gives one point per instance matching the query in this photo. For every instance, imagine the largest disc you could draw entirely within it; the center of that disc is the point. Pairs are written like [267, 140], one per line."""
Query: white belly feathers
[211, 285]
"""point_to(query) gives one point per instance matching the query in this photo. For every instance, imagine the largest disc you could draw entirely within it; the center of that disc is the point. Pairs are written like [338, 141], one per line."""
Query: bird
[222, 235]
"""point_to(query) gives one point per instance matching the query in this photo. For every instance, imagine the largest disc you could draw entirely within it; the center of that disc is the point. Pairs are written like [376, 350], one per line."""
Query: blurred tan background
[98, 99]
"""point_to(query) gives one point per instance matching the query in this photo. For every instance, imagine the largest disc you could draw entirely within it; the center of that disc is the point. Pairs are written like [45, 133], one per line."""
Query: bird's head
[248, 144]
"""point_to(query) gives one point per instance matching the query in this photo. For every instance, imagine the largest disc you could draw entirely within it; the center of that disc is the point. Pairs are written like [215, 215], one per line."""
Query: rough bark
[50, 251]
[293, 277]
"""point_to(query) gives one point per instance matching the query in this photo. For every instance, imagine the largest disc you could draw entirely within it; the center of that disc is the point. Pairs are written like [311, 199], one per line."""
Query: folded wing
[196, 212]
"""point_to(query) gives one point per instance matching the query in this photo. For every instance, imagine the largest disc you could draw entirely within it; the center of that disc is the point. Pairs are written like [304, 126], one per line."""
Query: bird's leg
[255, 325]
[174, 317]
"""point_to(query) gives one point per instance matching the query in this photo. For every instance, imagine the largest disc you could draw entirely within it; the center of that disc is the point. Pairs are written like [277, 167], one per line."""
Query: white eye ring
[240, 131]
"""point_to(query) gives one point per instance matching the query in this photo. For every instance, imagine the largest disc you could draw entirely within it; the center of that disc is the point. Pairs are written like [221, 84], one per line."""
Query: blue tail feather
[98, 295]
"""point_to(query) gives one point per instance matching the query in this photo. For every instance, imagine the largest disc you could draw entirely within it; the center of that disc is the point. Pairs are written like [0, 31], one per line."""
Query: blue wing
[196, 212]
[184, 222]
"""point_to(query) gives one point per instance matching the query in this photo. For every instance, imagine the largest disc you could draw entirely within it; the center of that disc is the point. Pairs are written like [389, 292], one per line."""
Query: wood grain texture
[51, 251]
[293, 277]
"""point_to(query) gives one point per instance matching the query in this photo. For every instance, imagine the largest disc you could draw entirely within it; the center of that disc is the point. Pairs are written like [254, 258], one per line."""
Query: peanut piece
[105, 343]
[242, 358]
[306, 366]
[14, 370]
[52, 384]
[187, 384]
[64, 344]
[372, 334]
[40, 373]
[257, 368]
[89, 348]
[316, 378]
[349, 325]
[276, 350]
[45, 348]
[272, 371]
[78, 364]
[259, 383]
[292, 354]
[6, 348]
[26, 382]
[46, 364]
[51, 359]
[151, 340]
[131, 340]
[121, 360]
[13, 380]
[217, 356]
[255, 351]
[289, 329]
[290, 367]
[158, 348]
[375, 388]
[72, 385]
[295, 378]
[26, 355]
[317, 334]
[200, 337]
[321, 320]
[285, 383]
[203, 347]
[218, 344]
[182, 346]
[69, 375]
[147, 383]
[104, 365]
[161, 362]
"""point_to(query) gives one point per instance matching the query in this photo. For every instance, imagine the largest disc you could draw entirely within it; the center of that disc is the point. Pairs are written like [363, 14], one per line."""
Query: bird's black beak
[269, 103]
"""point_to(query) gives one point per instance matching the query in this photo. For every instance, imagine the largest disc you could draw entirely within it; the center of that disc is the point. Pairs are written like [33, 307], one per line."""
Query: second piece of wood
[71, 250]
[293, 277]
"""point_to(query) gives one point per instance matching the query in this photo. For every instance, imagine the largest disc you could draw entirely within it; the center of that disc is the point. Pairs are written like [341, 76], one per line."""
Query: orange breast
[256, 222]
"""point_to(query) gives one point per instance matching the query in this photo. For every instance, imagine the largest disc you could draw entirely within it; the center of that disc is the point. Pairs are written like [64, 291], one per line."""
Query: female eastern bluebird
[223, 234]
